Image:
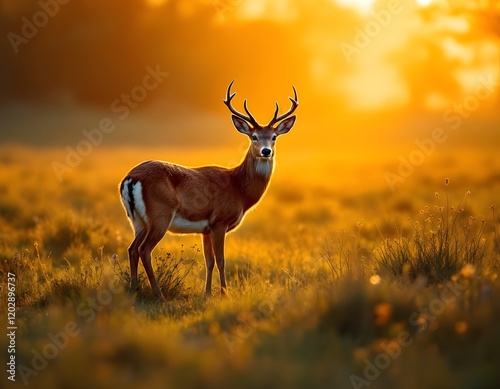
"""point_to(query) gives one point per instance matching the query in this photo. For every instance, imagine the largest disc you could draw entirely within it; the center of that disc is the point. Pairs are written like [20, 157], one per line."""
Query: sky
[365, 70]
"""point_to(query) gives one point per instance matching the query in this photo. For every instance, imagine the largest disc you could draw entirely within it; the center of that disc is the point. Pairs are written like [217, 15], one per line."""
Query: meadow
[335, 281]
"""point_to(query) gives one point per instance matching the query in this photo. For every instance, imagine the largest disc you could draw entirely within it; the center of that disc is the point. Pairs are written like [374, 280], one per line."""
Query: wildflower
[436, 194]
[461, 327]
[468, 270]
[375, 279]
[446, 181]
[383, 312]
[360, 354]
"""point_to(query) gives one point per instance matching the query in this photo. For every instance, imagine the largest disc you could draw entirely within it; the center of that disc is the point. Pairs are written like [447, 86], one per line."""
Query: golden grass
[305, 306]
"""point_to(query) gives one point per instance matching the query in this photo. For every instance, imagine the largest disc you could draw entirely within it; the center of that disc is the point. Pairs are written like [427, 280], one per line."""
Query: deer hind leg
[218, 239]
[133, 253]
[208, 251]
[155, 232]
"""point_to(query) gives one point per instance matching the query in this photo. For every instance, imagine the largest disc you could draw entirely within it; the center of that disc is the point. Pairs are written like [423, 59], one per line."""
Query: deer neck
[252, 177]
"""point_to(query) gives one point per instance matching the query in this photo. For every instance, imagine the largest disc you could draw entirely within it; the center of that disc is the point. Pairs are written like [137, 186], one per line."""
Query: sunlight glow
[155, 3]
[368, 92]
[424, 3]
[279, 10]
[361, 5]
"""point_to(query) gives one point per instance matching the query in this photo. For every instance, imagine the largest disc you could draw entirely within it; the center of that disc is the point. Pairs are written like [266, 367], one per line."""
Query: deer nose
[266, 152]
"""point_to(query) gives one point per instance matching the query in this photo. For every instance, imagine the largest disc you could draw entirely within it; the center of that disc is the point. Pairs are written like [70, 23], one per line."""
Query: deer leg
[208, 251]
[133, 255]
[218, 239]
[156, 231]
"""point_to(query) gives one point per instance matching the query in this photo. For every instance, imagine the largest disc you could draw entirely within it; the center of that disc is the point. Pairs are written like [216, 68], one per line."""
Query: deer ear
[241, 125]
[286, 125]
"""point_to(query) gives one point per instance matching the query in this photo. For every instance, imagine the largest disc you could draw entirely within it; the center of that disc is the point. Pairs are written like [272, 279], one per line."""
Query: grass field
[335, 281]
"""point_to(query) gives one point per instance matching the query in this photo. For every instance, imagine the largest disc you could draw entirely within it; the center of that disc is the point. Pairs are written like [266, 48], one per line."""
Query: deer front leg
[208, 251]
[218, 238]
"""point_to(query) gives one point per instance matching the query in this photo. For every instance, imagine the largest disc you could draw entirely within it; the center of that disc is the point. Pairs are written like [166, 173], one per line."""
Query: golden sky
[376, 80]
[359, 66]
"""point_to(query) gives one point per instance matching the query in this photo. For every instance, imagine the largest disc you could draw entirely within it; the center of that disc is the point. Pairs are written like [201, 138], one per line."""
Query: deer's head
[263, 138]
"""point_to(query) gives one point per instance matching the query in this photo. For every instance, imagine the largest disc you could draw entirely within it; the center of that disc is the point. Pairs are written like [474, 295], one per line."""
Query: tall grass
[170, 272]
[292, 318]
[343, 255]
[439, 245]
[39, 283]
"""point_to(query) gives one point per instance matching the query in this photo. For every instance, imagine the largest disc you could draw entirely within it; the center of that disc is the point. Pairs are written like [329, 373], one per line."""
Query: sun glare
[366, 6]
[360, 5]
[424, 3]
[155, 3]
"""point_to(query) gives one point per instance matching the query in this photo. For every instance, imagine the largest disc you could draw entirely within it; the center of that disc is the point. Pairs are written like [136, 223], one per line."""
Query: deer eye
[274, 138]
[255, 138]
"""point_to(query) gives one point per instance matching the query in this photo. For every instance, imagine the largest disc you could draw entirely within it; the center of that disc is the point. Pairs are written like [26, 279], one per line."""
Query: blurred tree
[94, 53]
[428, 72]
[482, 15]
[86, 50]
[486, 14]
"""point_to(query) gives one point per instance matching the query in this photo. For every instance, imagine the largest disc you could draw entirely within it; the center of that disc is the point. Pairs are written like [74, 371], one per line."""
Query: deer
[159, 196]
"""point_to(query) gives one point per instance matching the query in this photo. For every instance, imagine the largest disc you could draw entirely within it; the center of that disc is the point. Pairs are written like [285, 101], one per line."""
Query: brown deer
[210, 200]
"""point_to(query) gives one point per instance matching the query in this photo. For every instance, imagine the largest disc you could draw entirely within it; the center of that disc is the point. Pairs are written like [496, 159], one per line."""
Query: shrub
[438, 246]
[170, 273]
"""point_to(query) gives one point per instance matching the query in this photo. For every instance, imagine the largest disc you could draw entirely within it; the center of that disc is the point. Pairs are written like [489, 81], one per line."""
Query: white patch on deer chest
[264, 166]
[181, 225]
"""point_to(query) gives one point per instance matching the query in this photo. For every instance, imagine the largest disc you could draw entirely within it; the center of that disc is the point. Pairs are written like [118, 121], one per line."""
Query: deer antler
[295, 104]
[250, 119]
